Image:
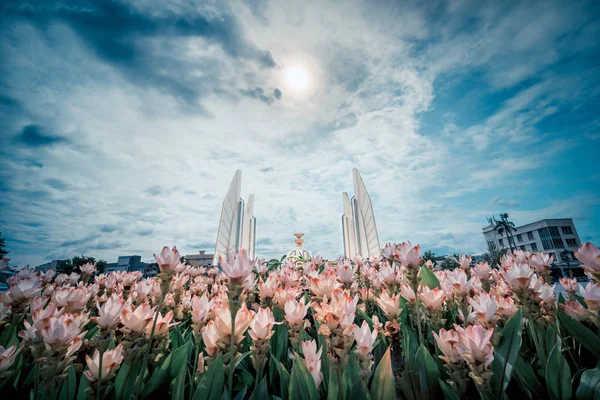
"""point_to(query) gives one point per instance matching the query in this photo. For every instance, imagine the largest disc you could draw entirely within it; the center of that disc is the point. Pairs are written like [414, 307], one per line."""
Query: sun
[296, 78]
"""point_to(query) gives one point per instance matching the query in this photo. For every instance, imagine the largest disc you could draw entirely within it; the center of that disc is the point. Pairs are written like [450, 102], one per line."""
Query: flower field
[384, 328]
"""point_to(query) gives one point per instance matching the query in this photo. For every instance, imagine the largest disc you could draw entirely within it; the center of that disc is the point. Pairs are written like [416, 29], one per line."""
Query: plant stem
[98, 395]
[418, 310]
[231, 350]
[194, 370]
[37, 382]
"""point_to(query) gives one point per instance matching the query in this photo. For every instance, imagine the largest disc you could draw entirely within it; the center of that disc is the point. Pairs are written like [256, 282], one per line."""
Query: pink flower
[59, 331]
[518, 275]
[389, 305]
[312, 359]
[136, 321]
[485, 308]
[569, 284]
[111, 360]
[295, 311]
[507, 306]
[87, 268]
[432, 299]
[168, 260]
[109, 314]
[461, 285]
[345, 271]
[409, 256]
[546, 293]
[239, 266]
[162, 325]
[261, 327]
[591, 294]
[389, 251]
[267, 287]
[464, 261]
[201, 307]
[364, 339]
[408, 293]
[482, 270]
[575, 310]
[8, 356]
[476, 345]
[448, 343]
[24, 289]
[541, 262]
[317, 260]
[211, 337]
[243, 318]
[589, 255]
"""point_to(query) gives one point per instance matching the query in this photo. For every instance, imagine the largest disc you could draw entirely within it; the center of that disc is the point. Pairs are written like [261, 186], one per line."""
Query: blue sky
[122, 123]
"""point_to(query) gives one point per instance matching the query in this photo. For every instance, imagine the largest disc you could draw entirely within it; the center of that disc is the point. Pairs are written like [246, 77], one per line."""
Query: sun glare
[296, 78]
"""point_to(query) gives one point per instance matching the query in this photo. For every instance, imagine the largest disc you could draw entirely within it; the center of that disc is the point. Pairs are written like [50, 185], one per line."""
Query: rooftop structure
[358, 222]
[299, 252]
[237, 227]
[202, 259]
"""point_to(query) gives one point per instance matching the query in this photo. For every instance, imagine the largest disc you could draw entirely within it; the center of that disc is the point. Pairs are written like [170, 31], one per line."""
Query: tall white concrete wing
[249, 228]
[348, 228]
[367, 237]
[230, 225]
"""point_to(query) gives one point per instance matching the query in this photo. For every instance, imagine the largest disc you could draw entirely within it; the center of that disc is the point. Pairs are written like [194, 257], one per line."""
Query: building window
[501, 242]
[545, 236]
[519, 238]
[534, 247]
[556, 239]
[522, 247]
[490, 244]
[530, 235]
[567, 230]
[572, 242]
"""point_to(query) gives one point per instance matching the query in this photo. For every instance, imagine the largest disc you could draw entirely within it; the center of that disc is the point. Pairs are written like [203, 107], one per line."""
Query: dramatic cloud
[122, 123]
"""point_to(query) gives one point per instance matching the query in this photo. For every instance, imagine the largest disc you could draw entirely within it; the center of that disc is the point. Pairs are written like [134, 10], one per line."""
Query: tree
[494, 255]
[64, 267]
[450, 263]
[3, 250]
[100, 266]
[505, 226]
[429, 255]
[78, 261]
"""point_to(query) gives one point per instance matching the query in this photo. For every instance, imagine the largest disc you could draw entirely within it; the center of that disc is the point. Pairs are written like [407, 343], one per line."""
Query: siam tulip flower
[485, 308]
[476, 345]
[521, 256]
[358, 260]
[388, 274]
[317, 260]
[541, 262]
[24, 289]
[239, 265]
[282, 295]
[546, 293]
[111, 360]
[591, 294]
[4, 313]
[449, 344]
[78, 299]
[295, 312]
[389, 252]
[364, 339]
[179, 282]
[201, 364]
[575, 310]
[136, 321]
[325, 284]
[409, 256]
[289, 275]
[47, 276]
[249, 284]
[262, 267]
[261, 327]
[201, 308]
[569, 284]
[507, 306]
[87, 268]
[267, 287]
[168, 260]
[211, 337]
[59, 331]
[162, 325]
[482, 270]
[8, 357]
[389, 305]
[518, 276]
[243, 318]
[345, 272]
[461, 285]
[312, 359]
[432, 298]
[73, 278]
[430, 264]
[109, 314]
[464, 261]
[589, 255]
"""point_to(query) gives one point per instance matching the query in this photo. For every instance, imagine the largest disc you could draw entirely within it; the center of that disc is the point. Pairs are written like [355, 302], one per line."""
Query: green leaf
[159, 377]
[241, 358]
[180, 359]
[589, 385]
[558, 375]
[241, 394]
[260, 392]
[213, 380]
[302, 384]
[506, 353]
[356, 388]
[429, 374]
[122, 376]
[383, 387]
[333, 389]
[527, 378]
[581, 333]
[449, 393]
[284, 376]
[428, 278]
[84, 383]
[178, 384]
[69, 384]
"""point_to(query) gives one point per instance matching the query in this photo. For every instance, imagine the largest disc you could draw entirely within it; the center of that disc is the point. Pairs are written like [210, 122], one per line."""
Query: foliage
[3, 250]
[384, 328]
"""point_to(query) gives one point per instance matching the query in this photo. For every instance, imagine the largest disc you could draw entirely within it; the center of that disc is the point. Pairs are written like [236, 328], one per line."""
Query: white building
[358, 222]
[553, 236]
[237, 228]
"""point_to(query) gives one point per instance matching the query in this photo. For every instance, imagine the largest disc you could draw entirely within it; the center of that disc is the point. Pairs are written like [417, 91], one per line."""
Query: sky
[122, 123]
